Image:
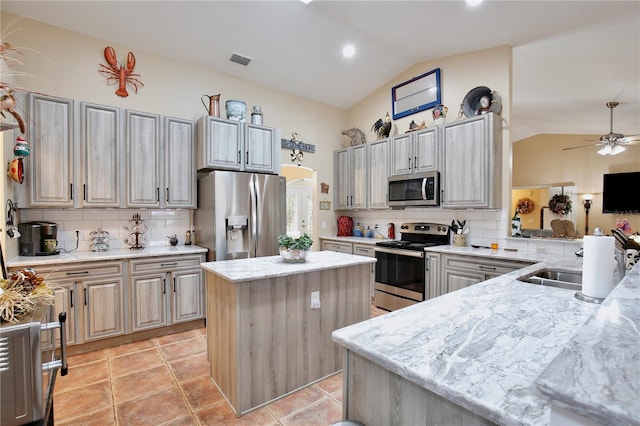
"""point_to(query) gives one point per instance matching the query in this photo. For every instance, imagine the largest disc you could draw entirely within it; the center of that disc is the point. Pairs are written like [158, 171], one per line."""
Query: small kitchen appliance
[38, 238]
[419, 189]
[402, 267]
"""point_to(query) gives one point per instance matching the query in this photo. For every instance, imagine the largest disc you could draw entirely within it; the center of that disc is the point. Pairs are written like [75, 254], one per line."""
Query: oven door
[400, 277]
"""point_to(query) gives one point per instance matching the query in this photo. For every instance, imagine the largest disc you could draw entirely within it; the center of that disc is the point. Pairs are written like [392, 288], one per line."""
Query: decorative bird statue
[382, 128]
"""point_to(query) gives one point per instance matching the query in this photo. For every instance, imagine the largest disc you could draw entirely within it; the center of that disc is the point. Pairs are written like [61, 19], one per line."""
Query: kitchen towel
[598, 266]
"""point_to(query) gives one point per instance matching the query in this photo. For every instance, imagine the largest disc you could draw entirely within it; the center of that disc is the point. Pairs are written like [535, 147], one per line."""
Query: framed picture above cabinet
[415, 95]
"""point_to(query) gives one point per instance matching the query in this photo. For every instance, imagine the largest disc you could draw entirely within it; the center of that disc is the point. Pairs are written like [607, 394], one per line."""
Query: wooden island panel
[265, 340]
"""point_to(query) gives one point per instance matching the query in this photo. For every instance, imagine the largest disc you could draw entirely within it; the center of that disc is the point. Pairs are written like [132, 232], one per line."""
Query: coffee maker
[38, 238]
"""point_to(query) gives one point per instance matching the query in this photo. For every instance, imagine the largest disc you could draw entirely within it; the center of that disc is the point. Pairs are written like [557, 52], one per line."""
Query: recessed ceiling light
[474, 3]
[348, 51]
[306, 1]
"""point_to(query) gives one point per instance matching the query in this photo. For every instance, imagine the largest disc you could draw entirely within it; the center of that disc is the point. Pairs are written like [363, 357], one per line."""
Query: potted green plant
[294, 246]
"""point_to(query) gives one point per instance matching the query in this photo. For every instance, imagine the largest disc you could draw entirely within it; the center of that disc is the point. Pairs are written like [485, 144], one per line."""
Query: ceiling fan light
[605, 150]
[617, 149]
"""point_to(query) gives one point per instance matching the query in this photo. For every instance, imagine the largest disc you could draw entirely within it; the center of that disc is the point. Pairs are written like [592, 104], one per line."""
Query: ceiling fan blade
[629, 139]
[581, 146]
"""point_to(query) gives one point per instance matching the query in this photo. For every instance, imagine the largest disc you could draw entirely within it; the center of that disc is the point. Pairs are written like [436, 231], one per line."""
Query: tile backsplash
[161, 223]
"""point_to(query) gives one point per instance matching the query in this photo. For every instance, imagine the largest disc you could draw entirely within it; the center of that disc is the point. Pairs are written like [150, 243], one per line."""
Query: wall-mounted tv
[621, 193]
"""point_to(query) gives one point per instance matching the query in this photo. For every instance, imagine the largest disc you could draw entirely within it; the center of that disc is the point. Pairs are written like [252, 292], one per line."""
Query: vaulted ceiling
[569, 57]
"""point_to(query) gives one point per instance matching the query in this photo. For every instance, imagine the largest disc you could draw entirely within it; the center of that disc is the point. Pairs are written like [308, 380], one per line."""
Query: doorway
[301, 196]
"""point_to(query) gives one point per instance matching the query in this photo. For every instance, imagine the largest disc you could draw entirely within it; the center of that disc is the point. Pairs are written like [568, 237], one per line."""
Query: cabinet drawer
[364, 250]
[337, 246]
[79, 271]
[474, 264]
[165, 263]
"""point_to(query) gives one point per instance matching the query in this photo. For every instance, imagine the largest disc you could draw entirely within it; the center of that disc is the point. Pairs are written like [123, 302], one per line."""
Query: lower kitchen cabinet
[462, 271]
[166, 291]
[92, 295]
[432, 275]
[339, 246]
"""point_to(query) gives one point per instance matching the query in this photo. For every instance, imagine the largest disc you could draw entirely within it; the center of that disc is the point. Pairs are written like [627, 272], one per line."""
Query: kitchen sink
[555, 278]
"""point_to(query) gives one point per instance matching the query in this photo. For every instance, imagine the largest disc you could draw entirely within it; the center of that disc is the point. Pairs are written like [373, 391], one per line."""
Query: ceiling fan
[612, 143]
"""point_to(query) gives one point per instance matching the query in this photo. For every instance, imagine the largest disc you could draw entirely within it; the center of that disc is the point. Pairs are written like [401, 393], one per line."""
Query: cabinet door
[401, 155]
[149, 301]
[220, 144]
[455, 280]
[187, 295]
[103, 313]
[359, 177]
[426, 152]
[180, 163]
[342, 179]
[259, 149]
[49, 174]
[143, 159]
[433, 284]
[378, 171]
[101, 157]
[65, 301]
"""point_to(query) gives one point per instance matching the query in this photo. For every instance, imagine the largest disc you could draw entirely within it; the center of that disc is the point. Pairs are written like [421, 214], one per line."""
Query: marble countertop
[525, 256]
[241, 270]
[484, 346]
[597, 373]
[93, 256]
[357, 240]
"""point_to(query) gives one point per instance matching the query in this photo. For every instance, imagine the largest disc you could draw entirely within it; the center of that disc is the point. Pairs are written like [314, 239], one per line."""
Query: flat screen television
[621, 193]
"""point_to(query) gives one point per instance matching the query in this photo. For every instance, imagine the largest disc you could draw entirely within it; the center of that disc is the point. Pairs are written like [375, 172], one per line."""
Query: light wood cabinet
[472, 163]
[339, 246]
[179, 163]
[350, 178]
[432, 275]
[459, 271]
[92, 295]
[143, 159]
[49, 169]
[415, 152]
[378, 174]
[100, 153]
[165, 291]
[232, 145]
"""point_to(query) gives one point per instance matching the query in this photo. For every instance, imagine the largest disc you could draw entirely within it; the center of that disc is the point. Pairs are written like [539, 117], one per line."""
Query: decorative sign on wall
[297, 147]
[418, 94]
[324, 204]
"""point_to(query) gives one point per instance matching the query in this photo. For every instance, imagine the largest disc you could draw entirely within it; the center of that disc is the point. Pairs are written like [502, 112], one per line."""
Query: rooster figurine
[382, 128]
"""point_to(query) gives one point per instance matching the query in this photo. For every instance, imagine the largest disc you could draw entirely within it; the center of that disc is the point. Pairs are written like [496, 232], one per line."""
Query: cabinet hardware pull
[167, 194]
[71, 190]
[164, 265]
[71, 298]
[409, 162]
[487, 268]
[238, 157]
[84, 192]
[415, 162]
[85, 297]
[246, 160]
[157, 193]
[77, 273]
[174, 284]
[164, 287]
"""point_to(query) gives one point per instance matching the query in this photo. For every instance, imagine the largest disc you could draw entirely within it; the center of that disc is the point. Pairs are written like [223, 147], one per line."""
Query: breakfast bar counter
[269, 323]
[474, 356]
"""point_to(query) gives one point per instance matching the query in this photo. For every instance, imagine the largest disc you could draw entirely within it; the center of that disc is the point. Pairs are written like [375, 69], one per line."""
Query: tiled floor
[165, 381]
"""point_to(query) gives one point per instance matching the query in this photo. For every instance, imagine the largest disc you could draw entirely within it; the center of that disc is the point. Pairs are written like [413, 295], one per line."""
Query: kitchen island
[266, 338]
[474, 356]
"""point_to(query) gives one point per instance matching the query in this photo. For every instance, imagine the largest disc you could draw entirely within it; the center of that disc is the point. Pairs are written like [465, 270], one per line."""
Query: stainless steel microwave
[419, 189]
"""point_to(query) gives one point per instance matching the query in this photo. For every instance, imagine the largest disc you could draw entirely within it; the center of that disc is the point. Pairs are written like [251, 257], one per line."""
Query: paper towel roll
[598, 266]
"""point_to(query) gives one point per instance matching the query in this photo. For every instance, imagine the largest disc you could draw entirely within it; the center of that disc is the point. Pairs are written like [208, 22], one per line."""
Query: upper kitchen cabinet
[350, 178]
[48, 170]
[415, 152]
[179, 163]
[100, 151]
[232, 145]
[143, 159]
[471, 167]
[378, 173]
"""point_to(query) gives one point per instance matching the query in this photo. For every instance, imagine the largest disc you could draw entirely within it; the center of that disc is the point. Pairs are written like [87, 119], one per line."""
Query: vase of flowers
[294, 246]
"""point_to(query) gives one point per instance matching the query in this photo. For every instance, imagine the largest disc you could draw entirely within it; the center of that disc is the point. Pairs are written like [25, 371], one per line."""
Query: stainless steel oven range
[401, 267]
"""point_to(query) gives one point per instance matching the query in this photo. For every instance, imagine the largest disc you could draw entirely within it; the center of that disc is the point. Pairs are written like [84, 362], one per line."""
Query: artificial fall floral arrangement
[560, 204]
[22, 293]
[295, 241]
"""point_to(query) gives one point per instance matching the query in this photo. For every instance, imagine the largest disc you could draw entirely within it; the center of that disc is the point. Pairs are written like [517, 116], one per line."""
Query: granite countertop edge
[97, 256]
[243, 270]
[535, 393]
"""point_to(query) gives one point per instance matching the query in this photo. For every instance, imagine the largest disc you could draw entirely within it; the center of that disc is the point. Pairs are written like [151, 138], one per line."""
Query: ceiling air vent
[240, 59]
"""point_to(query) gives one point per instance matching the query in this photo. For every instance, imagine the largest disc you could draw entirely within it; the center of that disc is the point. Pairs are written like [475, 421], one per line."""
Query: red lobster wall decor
[123, 74]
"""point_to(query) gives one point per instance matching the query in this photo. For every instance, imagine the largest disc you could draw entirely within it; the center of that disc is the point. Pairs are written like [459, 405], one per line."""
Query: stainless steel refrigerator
[240, 215]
